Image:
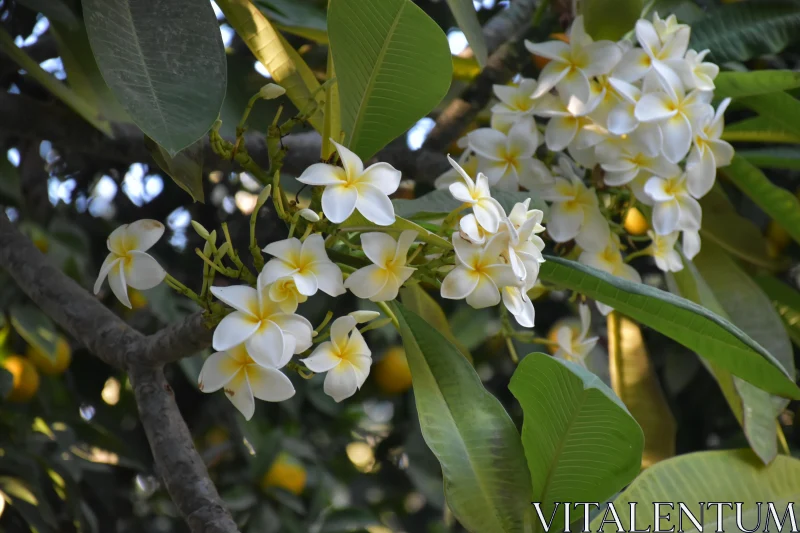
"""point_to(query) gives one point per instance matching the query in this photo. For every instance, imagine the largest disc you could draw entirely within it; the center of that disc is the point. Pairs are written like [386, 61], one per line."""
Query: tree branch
[116, 343]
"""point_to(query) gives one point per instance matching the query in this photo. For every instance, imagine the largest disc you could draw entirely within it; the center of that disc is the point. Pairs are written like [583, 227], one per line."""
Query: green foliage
[610, 19]
[357, 220]
[185, 167]
[173, 96]
[744, 30]
[581, 443]
[392, 64]
[780, 108]
[760, 129]
[697, 328]
[417, 300]
[718, 476]
[741, 84]
[778, 203]
[782, 157]
[467, 20]
[437, 204]
[35, 327]
[487, 484]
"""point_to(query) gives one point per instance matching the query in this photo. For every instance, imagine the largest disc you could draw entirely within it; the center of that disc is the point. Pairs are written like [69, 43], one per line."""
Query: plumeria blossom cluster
[631, 123]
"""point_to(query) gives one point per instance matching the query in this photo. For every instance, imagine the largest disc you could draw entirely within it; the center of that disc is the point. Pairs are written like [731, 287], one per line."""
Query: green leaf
[299, 18]
[9, 182]
[757, 82]
[467, 20]
[165, 63]
[718, 476]
[35, 328]
[697, 328]
[54, 10]
[486, 480]
[416, 299]
[778, 203]
[6, 383]
[17, 490]
[357, 222]
[744, 30]
[332, 128]
[610, 19]
[185, 168]
[736, 234]
[280, 59]
[581, 443]
[780, 108]
[393, 66]
[784, 157]
[787, 302]
[760, 129]
[437, 204]
[634, 380]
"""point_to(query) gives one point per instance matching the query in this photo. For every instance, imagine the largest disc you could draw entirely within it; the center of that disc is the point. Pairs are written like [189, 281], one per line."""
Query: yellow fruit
[42, 243]
[48, 366]
[137, 299]
[285, 473]
[540, 61]
[635, 223]
[392, 373]
[571, 322]
[26, 378]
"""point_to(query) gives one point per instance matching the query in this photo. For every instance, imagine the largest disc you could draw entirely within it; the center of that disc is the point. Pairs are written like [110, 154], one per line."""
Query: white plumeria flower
[622, 118]
[624, 161]
[569, 124]
[520, 216]
[479, 272]
[690, 240]
[674, 207]
[519, 305]
[655, 50]
[609, 259]
[468, 161]
[471, 230]
[269, 334]
[381, 281]
[354, 188]
[306, 263]
[127, 264]
[346, 358]
[674, 111]
[508, 160]
[283, 291]
[576, 347]
[709, 152]
[525, 247]
[663, 251]
[476, 193]
[362, 317]
[574, 212]
[693, 71]
[668, 26]
[243, 378]
[309, 215]
[515, 104]
[572, 65]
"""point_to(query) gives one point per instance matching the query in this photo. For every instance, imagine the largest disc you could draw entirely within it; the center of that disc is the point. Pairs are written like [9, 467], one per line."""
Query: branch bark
[116, 343]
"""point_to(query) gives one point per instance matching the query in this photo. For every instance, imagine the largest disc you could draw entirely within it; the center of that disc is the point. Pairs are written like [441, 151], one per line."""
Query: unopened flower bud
[263, 196]
[203, 232]
[309, 215]
[364, 316]
[271, 91]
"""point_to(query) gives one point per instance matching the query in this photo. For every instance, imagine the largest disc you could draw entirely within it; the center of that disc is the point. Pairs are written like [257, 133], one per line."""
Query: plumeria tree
[323, 208]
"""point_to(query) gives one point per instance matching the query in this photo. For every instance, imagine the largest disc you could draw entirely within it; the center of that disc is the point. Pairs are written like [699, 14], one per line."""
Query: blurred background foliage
[73, 456]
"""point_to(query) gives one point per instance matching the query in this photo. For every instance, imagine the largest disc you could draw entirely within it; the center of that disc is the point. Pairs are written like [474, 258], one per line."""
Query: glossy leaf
[780, 108]
[784, 157]
[393, 67]
[697, 328]
[714, 476]
[165, 63]
[467, 20]
[280, 59]
[332, 125]
[760, 129]
[486, 480]
[416, 299]
[298, 18]
[185, 168]
[581, 443]
[610, 19]
[787, 302]
[35, 328]
[780, 204]
[744, 30]
[757, 82]
[634, 381]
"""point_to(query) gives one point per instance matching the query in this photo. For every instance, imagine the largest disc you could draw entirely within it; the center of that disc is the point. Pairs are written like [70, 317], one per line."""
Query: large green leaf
[741, 84]
[486, 480]
[736, 234]
[393, 67]
[780, 204]
[760, 129]
[165, 63]
[787, 302]
[744, 30]
[581, 443]
[780, 108]
[185, 168]
[610, 19]
[697, 328]
[467, 19]
[299, 18]
[718, 476]
[35, 328]
[420, 302]
[785, 157]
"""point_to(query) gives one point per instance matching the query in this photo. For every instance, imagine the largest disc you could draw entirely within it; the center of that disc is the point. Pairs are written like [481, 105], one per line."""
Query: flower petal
[108, 264]
[551, 74]
[322, 358]
[329, 278]
[459, 283]
[560, 132]
[652, 107]
[374, 205]
[295, 326]
[361, 366]
[338, 202]
[287, 249]
[143, 234]
[143, 272]
[323, 174]
[404, 242]
[241, 396]
[488, 143]
[565, 222]
[383, 176]
[677, 132]
[366, 282]
[266, 344]
[379, 247]
[656, 188]
[665, 217]
[116, 280]
[485, 293]
[350, 161]
[234, 329]
[240, 297]
[603, 57]
[269, 384]
[340, 331]
[554, 50]
[217, 371]
[274, 270]
[389, 290]
[341, 382]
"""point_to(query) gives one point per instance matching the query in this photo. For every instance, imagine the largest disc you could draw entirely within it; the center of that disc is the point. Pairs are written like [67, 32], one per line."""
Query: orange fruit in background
[392, 373]
[286, 473]
[26, 378]
[635, 223]
[48, 366]
[540, 61]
